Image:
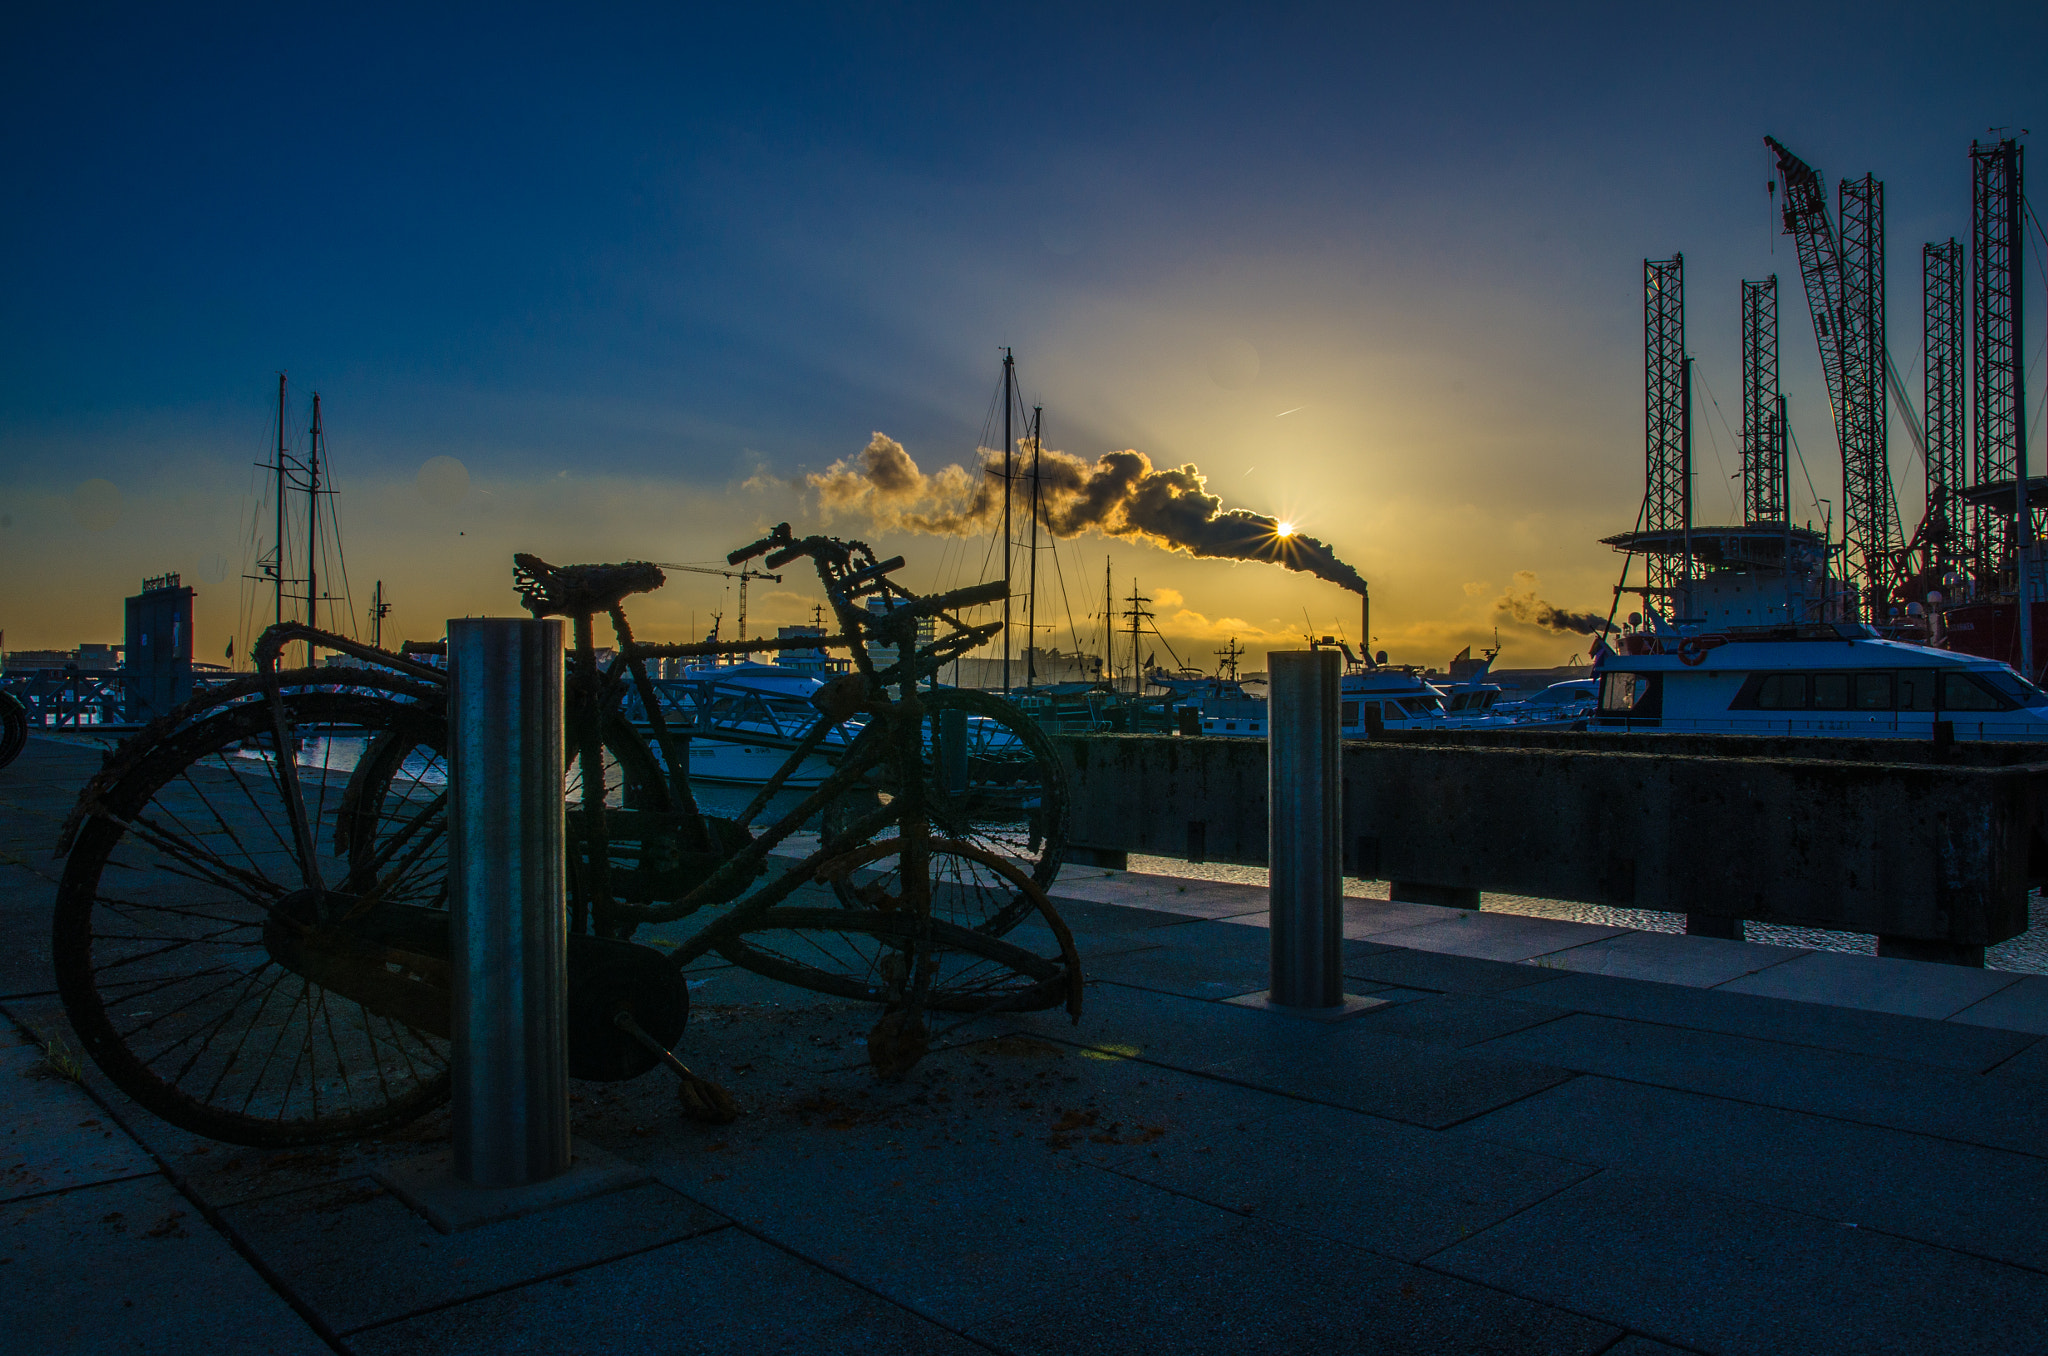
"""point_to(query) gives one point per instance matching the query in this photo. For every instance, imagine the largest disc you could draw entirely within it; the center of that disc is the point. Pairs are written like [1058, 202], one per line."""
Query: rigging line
[1715, 444]
[1622, 582]
[1800, 453]
[339, 563]
[1066, 604]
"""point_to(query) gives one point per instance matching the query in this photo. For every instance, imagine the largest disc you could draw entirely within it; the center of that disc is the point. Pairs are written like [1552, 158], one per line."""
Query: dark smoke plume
[1525, 606]
[1120, 494]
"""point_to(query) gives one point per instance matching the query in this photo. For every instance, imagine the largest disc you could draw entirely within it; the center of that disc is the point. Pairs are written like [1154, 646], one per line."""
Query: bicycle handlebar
[779, 537]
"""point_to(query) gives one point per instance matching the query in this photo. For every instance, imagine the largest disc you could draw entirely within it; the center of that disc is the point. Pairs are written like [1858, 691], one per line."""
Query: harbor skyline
[627, 287]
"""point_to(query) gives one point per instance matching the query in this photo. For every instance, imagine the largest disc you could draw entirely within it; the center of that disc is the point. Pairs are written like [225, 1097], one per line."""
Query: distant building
[89, 658]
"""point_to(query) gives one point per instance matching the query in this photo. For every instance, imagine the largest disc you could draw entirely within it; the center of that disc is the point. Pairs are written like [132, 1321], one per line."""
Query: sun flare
[1284, 530]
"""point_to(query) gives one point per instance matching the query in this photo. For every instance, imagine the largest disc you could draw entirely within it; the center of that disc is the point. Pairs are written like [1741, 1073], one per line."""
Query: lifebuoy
[1692, 652]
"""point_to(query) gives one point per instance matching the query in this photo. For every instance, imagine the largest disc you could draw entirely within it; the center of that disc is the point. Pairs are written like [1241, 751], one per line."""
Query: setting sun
[1284, 530]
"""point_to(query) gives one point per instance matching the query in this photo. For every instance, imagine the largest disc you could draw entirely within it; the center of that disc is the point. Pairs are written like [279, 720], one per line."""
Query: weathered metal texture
[1937, 852]
[508, 918]
[1305, 830]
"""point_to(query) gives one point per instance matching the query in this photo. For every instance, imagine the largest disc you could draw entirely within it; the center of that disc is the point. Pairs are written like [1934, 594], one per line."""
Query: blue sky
[640, 270]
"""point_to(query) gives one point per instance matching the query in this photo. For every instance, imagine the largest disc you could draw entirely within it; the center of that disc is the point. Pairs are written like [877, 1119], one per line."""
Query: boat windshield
[2011, 686]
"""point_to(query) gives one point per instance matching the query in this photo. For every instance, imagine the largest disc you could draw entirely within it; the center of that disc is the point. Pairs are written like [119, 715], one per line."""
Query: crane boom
[1844, 277]
[744, 574]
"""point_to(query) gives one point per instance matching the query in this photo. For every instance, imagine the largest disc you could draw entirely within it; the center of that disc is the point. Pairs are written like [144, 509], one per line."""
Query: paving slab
[1961, 1196]
[1691, 1267]
[2029, 1064]
[1342, 1064]
[1876, 983]
[37, 791]
[1251, 1288]
[1998, 1114]
[724, 1293]
[1200, 960]
[1031, 1249]
[1672, 958]
[1457, 1020]
[2022, 1006]
[1393, 1189]
[132, 1267]
[1371, 917]
[1169, 971]
[357, 1256]
[1117, 917]
[1373, 961]
[1918, 1039]
[1497, 936]
[1177, 894]
[1365, 917]
[54, 1136]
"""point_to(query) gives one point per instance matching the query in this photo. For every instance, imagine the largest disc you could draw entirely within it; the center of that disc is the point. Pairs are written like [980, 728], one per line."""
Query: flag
[1600, 652]
[231, 647]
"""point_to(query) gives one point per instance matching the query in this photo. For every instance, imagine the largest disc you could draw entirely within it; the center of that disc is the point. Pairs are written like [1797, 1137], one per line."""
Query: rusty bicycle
[251, 929]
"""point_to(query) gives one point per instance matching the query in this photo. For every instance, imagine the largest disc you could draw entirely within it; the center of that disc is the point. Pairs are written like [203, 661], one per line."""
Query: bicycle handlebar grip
[779, 537]
[974, 595]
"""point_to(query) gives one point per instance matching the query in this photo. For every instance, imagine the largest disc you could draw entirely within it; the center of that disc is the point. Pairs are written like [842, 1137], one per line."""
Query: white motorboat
[1561, 706]
[1815, 678]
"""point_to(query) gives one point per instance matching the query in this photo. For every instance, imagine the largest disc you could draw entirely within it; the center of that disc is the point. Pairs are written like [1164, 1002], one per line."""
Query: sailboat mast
[1031, 603]
[1137, 677]
[1108, 622]
[277, 544]
[313, 526]
[1009, 377]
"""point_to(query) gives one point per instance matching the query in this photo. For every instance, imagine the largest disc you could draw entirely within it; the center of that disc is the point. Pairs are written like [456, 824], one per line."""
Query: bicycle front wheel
[245, 948]
[13, 728]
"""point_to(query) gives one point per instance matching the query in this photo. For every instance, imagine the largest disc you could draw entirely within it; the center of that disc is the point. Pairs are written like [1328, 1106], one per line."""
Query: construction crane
[1844, 276]
[744, 574]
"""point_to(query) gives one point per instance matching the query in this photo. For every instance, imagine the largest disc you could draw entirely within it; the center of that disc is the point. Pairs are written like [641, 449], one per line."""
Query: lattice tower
[1669, 500]
[1765, 490]
[1942, 394]
[1995, 314]
[1870, 510]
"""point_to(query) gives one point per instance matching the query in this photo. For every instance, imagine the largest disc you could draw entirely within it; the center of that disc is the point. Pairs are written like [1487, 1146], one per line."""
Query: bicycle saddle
[580, 590]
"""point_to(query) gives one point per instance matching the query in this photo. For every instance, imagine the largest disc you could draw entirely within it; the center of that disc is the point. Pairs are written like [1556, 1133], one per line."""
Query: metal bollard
[509, 927]
[1305, 830]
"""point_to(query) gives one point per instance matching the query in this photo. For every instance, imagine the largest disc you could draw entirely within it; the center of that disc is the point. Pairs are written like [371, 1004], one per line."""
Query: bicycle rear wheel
[992, 780]
[872, 952]
[188, 930]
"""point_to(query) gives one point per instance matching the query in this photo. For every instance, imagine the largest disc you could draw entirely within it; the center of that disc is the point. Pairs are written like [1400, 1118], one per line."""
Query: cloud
[1120, 494]
[1525, 607]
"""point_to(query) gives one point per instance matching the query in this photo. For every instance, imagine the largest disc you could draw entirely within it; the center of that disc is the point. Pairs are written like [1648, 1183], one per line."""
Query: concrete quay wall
[1936, 857]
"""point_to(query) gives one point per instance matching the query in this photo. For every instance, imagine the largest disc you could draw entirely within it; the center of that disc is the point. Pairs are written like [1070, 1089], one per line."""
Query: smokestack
[1365, 624]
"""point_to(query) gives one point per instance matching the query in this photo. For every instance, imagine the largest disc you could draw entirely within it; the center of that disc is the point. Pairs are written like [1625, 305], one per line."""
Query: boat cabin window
[1916, 690]
[1628, 694]
[1961, 692]
[1906, 690]
[1418, 706]
[1351, 713]
[1784, 692]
